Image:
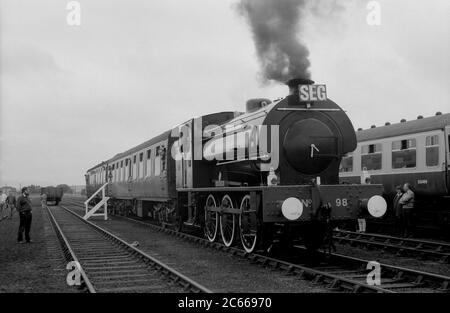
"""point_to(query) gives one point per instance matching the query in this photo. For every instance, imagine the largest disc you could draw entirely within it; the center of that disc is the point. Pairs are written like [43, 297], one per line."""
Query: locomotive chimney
[295, 82]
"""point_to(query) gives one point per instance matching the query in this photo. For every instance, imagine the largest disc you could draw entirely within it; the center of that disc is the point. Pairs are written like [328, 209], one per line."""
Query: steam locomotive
[268, 175]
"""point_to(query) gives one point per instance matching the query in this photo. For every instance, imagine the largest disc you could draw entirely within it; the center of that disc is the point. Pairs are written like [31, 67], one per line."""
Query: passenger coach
[415, 152]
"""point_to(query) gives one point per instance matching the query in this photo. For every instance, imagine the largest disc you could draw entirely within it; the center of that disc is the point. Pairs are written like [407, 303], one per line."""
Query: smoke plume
[274, 25]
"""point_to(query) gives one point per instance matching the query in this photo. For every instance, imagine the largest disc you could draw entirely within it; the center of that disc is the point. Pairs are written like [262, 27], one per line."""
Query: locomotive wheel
[248, 225]
[227, 222]
[211, 219]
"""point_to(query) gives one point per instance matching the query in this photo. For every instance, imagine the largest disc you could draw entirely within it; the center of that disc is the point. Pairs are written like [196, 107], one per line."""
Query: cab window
[404, 153]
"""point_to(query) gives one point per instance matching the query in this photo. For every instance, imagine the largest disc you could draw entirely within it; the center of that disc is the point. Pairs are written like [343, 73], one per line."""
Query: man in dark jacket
[398, 211]
[24, 208]
[407, 202]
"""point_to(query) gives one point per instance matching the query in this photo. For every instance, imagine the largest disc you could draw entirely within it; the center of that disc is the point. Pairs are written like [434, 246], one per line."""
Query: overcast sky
[72, 96]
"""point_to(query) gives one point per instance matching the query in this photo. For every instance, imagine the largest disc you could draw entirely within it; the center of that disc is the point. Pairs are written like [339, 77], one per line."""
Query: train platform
[36, 267]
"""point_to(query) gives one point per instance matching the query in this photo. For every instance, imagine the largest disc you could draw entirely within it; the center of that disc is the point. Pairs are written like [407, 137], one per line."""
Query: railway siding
[110, 265]
[335, 272]
[217, 270]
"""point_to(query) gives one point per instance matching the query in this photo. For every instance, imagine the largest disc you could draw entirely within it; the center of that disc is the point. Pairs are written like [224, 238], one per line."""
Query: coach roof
[405, 128]
[143, 145]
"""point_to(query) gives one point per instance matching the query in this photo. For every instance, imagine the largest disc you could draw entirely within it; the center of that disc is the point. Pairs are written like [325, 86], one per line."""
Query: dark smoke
[275, 25]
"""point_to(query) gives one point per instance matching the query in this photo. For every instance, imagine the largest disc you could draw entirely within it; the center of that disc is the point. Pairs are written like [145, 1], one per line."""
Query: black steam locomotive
[269, 174]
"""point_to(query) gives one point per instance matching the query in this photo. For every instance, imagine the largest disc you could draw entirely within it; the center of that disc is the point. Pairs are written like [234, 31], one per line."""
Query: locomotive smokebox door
[310, 154]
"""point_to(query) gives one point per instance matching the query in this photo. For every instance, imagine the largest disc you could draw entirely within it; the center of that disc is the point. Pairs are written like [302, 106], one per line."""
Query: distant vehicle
[414, 151]
[54, 194]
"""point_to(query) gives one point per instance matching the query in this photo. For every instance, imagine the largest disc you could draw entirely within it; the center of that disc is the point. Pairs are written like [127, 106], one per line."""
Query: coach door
[447, 153]
[184, 177]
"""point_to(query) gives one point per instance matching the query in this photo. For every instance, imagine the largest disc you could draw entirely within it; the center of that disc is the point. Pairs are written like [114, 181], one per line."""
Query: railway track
[402, 246]
[334, 271]
[109, 264]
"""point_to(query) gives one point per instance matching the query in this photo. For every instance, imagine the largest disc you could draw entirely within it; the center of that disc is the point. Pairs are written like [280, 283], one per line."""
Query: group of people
[402, 210]
[403, 207]
[9, 203]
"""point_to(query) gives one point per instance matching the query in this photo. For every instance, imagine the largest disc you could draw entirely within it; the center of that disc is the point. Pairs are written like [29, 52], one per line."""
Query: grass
[29, 267]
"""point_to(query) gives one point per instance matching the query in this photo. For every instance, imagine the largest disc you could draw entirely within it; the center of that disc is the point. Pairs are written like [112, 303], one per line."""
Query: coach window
[113, 173]
[432, 150]
[157, 162]
[148, 167]
[127, 169]
[163, 159]
[404, 153]
[141, 165]
[346, 163]
[371, 157]
[122, 171]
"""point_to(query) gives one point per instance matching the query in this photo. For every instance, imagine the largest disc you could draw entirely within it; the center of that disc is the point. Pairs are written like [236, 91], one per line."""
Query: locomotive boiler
[268, 175]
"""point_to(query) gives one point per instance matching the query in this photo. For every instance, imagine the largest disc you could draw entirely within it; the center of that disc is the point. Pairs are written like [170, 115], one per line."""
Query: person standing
[44, 200]
[362, 224]
[10, 205]
[24, 209]
[407, 202]
[398, 211]
[2, 204]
